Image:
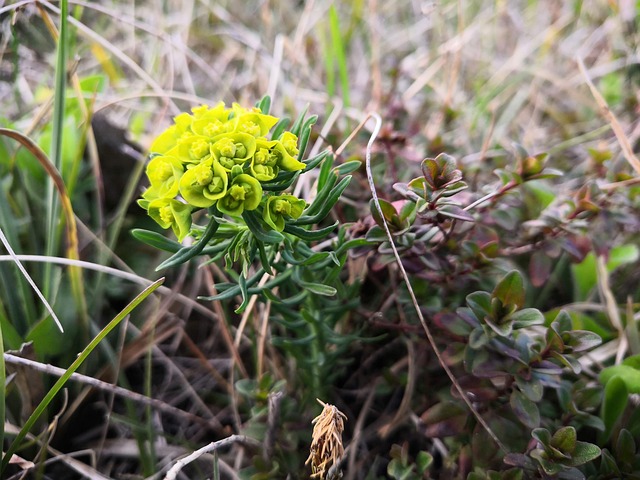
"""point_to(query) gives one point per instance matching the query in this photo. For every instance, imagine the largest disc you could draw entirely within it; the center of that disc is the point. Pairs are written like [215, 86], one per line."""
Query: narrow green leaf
[297, 125]
[616, 397]
[187, 253]
[325, 172]
[285, 342]
[347, 167]
[283, 181]
[310, 235]
[280, 128]
[319, 288]
[312, 163]
[264, 105]
[325, 208]
[253, 222]
[242, 283]
[304, 136]
[264, 259]
[156, 240]
[56, 153]
[321, 198]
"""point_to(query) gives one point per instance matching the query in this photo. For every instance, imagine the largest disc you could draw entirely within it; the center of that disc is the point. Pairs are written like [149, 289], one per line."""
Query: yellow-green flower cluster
[219, 156]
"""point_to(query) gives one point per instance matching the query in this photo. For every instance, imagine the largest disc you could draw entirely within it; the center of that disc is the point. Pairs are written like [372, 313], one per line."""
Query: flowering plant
[237, 165]
[219, 157]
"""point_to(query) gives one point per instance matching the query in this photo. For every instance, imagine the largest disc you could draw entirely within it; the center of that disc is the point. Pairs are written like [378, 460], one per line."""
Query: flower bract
[281, 207]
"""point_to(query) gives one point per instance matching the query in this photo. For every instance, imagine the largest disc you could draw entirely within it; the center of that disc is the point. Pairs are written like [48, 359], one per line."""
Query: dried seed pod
[326, 445]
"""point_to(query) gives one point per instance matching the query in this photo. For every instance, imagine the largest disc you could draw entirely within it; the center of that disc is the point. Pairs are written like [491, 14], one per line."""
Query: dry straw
[326, 445]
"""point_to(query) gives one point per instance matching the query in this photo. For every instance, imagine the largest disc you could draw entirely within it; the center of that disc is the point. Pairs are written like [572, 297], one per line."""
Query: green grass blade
[74, 366]
[329, 63]
[338, 52]
[56, 142]
[6, 244]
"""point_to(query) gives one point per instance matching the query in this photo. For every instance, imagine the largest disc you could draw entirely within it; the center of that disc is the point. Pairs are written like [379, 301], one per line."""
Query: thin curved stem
[412, 294]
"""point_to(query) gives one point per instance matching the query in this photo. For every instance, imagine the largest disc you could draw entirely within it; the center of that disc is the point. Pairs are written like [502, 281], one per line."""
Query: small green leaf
[453, 211]
[568, 361]
[510, 290]
[264, 104]
[549, 467]
[608, 465]
[256, 227]
[532, 388]
[564, 439]
[625, 447]
[297, 125]
[629, 375]
[526, 410]
[398, 471]
[242, 283]
[519, 460]
[279, 128]
[616, 397]
[580, 340]
[478, 338]
[542, 435]
[583, 452]
[526, 318]
[424, 460]
[562, 322]
[632, 361]
[480, 304]
[503, 329]
[388, 211]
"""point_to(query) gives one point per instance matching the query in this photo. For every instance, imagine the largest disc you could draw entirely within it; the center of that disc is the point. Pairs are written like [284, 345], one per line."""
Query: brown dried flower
[326, 445]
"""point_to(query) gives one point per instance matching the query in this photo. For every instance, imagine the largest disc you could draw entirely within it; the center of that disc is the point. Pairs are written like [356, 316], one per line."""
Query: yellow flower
[251, 121]
[171, 213]
[281, 207]
[203, 184]
[164, 173]
[244, 193]
[233, 149]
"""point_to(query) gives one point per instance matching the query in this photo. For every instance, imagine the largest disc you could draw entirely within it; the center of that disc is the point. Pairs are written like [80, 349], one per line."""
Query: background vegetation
[517, 241]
